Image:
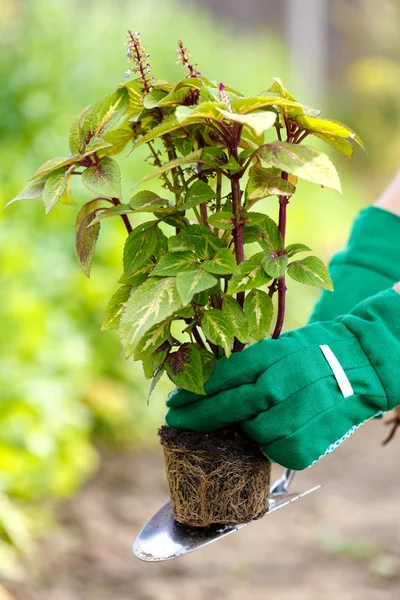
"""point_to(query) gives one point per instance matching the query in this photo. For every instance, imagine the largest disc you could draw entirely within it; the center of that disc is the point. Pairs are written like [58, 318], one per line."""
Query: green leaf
[222, 220]
[183, 367]
[118, 139]
[32, 191]
[87, 208]
[279, 88]
[104, 178]
[236, 316]
[291, 111]
[154, 301]
[139, 276]
[76, 135]
[232, 165]
[173, 263]
[206, 110]
[329, 127]
[213, 157]
[246, 105]
[106, 113]
[198, 193]
[53, 164]
[274, 265]
[96, 144]
[303, 161]
[169, 125]
[86, 239]
[115, 307]
[218, 329]
[266, 182]
[153, 98]
[54, 188]
[183, 160]
[157, 376]
[208, 361]
[153, 339]
[293, 249]
[258, 122]
[177, 243]
[187, 312]
[192, 282]
[113, 211]
[139, 246]
[183, 140]
[311, 271]
[252, 275]
[176, 96]
[146, 201]
[338, 143]
[270, 238]
[135, 92]
[196, 233]
[258, 308]
[223, 263]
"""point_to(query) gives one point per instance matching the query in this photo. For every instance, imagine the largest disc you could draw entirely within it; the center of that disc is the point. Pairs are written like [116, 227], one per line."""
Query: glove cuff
[374, 243]
[369, 264]
[376, 324]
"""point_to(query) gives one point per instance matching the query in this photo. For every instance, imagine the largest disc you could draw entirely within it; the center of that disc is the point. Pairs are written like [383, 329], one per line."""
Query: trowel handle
[281, 486]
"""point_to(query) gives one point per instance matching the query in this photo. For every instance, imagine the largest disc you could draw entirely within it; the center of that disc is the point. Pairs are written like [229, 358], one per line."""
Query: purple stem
[128, 226]
[281, 282]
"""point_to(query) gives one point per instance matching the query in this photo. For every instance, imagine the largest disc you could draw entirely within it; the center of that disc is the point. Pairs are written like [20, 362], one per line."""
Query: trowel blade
[162, 538]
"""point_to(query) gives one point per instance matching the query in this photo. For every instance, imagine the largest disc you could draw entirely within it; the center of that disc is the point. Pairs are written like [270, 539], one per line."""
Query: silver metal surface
[162, 538]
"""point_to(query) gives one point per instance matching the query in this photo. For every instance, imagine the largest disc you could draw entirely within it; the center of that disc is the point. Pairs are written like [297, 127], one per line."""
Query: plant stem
[128, 226]
[281, 282]
[238, 214]
[159, 164]
[218, 192]
[302, 137]
[204, 215]
[197, 337]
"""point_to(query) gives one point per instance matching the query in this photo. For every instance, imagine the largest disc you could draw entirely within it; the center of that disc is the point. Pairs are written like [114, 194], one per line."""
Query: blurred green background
[64, 387]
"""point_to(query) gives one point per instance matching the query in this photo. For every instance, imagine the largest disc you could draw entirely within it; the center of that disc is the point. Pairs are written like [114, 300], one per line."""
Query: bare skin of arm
[394, 421]
[390, 199]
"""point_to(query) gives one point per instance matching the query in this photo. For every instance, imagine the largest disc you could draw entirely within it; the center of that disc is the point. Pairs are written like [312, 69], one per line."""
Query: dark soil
[340, 543]
[228, 442]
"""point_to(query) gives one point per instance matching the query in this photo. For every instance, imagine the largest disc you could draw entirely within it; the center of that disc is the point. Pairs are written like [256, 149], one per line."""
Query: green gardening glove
[369, 264]
[286, 394]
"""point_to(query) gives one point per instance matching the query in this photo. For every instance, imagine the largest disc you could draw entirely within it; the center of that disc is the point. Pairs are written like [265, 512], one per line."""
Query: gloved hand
[369, 264]
[285, 394]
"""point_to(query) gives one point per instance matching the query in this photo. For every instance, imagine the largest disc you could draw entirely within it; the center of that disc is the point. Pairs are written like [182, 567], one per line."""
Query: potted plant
[189, 293]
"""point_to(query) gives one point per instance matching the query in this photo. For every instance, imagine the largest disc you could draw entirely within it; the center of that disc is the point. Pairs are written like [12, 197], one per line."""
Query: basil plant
[189, 292]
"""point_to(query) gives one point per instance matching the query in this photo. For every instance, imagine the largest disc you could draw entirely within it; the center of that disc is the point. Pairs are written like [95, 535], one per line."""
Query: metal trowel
[162, 538]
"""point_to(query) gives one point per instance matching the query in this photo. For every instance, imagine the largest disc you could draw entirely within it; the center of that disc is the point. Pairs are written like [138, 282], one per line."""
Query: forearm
[390, 199]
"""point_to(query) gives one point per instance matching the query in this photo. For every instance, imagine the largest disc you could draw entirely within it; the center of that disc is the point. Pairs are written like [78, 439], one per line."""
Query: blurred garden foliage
[62, 381]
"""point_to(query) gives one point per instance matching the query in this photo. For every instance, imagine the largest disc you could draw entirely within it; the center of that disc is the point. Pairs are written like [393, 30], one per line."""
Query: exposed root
[215, 478]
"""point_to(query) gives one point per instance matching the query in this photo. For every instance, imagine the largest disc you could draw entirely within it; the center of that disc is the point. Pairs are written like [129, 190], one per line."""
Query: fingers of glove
[375, 322]
[239, 369]
[280, 381]
[287, 417]
[214, 412]
[297, 350]
[321, 435]
[293, 379]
